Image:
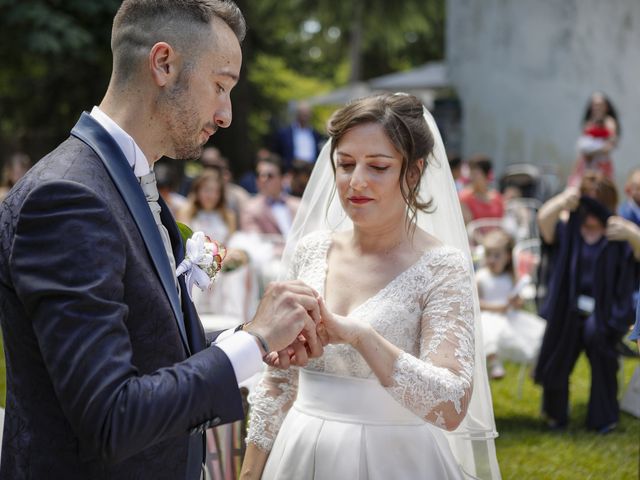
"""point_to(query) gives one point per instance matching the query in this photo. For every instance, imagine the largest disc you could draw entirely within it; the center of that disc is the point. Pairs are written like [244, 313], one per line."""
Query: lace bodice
[426, 311]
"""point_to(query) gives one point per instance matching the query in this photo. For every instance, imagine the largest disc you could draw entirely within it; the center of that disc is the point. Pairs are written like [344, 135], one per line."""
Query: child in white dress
[508, 331]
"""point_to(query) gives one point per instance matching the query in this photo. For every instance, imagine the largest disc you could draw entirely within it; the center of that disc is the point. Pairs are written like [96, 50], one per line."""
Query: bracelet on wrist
[263, 343]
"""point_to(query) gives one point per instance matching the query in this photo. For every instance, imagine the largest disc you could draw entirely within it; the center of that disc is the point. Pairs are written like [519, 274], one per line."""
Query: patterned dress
[333, 418]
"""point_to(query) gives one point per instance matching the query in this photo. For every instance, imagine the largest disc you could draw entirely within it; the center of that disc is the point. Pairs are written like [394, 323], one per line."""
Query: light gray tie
[150, 189]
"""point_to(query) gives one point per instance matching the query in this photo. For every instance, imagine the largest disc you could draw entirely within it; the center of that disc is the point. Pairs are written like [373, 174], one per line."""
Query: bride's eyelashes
[345, 166]
[349, 166]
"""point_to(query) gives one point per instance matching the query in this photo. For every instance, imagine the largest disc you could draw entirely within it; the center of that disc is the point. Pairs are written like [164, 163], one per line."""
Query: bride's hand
[334, 328]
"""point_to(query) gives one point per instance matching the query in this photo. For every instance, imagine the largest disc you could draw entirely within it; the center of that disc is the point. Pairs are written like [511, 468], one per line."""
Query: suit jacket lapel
[195, 332]
[91, 132]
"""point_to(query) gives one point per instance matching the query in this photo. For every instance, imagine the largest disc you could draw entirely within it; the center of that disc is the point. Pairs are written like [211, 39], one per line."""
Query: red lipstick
[359, 200]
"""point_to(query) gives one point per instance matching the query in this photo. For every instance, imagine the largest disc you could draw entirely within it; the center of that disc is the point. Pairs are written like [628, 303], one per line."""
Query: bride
[401, 392]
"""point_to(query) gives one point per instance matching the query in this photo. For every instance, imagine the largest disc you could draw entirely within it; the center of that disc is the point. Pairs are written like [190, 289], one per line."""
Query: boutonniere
[202, 261]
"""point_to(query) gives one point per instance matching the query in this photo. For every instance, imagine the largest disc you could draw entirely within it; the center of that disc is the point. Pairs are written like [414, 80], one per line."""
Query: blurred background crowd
[536, 105]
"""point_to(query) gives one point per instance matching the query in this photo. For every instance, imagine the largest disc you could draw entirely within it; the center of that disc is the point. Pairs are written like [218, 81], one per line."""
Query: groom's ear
[162, 64]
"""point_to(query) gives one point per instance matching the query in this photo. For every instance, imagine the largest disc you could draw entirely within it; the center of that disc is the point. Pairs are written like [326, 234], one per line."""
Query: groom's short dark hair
[184, 24]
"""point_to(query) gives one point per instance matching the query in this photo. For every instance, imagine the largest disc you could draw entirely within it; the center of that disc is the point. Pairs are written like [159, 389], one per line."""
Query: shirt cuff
[223, 335]
[243, 352]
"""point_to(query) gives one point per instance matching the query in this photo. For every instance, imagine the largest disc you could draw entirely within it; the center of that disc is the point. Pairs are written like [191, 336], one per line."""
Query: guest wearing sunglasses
[272, 210]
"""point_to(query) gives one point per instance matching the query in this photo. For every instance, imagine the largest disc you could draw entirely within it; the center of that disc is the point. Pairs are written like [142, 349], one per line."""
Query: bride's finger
[325, 314]
[323, 335]
[300, 357]
[284, 359]
[271, 359]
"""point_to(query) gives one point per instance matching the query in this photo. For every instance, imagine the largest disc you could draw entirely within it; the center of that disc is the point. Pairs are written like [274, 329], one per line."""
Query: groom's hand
[286, 318]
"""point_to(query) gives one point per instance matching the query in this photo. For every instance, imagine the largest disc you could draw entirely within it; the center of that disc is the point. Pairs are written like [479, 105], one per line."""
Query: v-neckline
[328, 245]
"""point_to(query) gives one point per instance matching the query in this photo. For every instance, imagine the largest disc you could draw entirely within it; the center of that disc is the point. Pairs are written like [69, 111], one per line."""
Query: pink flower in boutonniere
[202, 261]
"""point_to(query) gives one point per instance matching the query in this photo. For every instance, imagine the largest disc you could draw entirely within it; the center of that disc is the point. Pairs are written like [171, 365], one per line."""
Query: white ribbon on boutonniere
[202, 261]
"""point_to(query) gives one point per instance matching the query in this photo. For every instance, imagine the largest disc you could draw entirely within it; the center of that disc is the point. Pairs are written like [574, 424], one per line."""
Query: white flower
[202, 261]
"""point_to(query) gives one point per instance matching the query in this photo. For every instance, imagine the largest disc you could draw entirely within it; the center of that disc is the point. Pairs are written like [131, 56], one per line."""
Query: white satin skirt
[351, 428]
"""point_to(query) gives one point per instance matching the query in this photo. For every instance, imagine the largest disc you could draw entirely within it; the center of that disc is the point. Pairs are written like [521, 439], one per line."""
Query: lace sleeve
[438, 385]
[275, 393]
[270, 401]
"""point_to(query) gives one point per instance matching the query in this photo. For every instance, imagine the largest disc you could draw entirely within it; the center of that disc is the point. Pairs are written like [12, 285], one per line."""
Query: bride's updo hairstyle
[401, 117]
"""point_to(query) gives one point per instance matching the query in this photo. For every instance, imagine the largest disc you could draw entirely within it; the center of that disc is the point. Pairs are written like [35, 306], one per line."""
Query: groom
[109, 373]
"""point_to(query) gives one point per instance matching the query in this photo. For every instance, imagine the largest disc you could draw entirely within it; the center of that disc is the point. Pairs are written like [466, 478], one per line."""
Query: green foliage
[394, 36]
[57, 61]
[185, 233]
[277, 84]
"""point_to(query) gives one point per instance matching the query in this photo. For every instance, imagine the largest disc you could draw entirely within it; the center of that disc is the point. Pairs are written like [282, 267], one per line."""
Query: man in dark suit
[299, 141]
[109, 373]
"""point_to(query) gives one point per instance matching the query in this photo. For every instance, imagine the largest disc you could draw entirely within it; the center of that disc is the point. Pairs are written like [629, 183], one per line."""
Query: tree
[56, 62]
[382, 37]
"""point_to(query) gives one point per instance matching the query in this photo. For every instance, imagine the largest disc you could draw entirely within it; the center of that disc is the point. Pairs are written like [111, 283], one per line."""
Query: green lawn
[527, 451]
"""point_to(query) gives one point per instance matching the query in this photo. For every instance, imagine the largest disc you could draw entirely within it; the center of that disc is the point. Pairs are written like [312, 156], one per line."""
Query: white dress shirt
[304, 144]
[282, 214]
[241, 347]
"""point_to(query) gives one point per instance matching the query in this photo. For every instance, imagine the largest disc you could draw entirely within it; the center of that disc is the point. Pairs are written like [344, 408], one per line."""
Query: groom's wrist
[262, 343]
[243, 353]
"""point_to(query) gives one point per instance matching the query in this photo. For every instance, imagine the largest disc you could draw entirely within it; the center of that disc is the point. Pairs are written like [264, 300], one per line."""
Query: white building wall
[524, 70]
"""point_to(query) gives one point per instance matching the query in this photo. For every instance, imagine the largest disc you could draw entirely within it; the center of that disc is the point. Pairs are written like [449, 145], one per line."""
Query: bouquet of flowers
[202, 261]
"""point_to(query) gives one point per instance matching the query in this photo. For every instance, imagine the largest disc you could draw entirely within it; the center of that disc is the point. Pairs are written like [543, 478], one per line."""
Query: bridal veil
[472, 442]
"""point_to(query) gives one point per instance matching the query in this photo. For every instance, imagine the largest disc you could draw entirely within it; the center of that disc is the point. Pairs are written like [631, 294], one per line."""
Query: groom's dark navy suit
[108, 374]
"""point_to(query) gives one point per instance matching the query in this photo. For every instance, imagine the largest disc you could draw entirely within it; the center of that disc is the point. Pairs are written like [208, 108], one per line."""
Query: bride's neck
[379, 240]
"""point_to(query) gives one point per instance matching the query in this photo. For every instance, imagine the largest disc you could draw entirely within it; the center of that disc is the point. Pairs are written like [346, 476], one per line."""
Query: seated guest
[207, 209]
[478, 200]
[589, 303]
[248, 179]
[630, 208]
[235, 196]
[457, 170]
[167, 180]
[234, 293]
[625, 227]
[300, 174]
[272, 210]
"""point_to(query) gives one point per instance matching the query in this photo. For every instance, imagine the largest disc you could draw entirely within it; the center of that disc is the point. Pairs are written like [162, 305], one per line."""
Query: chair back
[520, 218]
[526, 259]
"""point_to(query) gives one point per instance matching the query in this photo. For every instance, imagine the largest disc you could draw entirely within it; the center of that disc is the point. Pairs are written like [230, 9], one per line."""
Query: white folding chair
[526, 258]
[520, 218]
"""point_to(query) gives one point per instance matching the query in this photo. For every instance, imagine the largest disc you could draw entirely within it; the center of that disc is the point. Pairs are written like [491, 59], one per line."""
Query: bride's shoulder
[313, 241]
[450, 260]
[437, 253]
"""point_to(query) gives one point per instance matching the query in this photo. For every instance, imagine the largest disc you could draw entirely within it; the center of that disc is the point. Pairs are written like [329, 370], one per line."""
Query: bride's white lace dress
[334, 420]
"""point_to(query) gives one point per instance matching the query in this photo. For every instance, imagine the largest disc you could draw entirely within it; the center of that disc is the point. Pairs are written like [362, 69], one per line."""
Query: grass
[527, 451]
